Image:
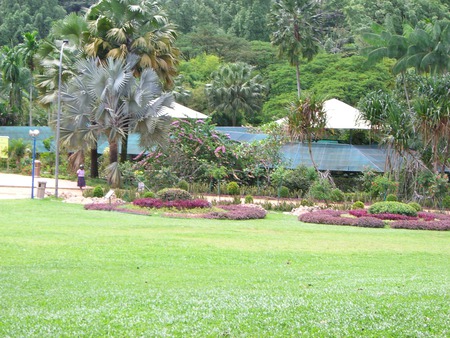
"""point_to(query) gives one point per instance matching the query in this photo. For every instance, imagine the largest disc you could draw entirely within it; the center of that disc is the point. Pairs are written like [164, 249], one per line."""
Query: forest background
[211, 34]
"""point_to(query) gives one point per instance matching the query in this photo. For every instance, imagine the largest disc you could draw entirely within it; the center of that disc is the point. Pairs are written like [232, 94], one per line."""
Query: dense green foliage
[392, 208]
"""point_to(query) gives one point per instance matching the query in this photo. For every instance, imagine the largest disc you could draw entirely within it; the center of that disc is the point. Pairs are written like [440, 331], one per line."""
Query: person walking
[80, 174]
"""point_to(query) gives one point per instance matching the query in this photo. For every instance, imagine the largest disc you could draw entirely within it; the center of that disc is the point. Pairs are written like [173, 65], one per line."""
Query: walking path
[13, 186]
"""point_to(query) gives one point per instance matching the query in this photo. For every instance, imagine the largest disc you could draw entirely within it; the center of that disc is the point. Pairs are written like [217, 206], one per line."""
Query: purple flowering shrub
[177, 204]
[440, 225]
[115, 207]
[238, 212]
[370, 222]
[361, 218]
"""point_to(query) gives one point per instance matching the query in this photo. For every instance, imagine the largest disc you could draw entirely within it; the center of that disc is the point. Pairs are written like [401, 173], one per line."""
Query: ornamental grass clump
[392, 208]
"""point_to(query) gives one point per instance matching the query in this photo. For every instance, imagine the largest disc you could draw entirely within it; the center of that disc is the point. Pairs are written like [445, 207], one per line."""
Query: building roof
[335, 156]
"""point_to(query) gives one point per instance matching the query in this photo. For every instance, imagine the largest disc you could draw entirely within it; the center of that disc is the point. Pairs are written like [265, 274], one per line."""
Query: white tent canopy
[340, 115]
[179, 111]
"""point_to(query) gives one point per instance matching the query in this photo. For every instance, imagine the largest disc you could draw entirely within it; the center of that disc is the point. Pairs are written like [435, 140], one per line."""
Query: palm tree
[429, 47]
[105, 98]
[296, 31]
[118, 28]
[121, 27]
[235, 90]
[433, 117]
[306, 120]
[28, 50]
[13, 82]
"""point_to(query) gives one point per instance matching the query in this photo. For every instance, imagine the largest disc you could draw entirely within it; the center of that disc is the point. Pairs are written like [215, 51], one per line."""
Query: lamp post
[33, 134]
[58, 117]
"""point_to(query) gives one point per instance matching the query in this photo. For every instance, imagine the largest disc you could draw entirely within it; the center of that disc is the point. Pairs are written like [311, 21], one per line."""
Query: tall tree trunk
[113, 151]
[311, 155]
[94, 162]
[124, 149]
[297, 73]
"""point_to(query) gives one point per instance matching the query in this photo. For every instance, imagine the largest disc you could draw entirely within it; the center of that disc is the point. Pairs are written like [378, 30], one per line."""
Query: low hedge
[177, 204]
[392, 208]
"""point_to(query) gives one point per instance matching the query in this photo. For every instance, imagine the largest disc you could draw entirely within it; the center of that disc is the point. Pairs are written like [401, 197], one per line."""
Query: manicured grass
[68, 272]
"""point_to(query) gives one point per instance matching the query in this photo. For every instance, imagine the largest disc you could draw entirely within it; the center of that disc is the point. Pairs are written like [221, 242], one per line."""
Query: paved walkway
[14, 186]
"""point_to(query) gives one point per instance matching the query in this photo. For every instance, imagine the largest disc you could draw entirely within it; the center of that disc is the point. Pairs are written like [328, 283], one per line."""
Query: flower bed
[177, 204]
[184, 207]
[119, 207]
[361, 218]
[238, 212]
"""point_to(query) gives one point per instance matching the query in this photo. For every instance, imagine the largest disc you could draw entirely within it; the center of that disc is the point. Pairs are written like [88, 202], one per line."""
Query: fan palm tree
[105, 98]
[296, 31]
[235, 90]
[118, 28]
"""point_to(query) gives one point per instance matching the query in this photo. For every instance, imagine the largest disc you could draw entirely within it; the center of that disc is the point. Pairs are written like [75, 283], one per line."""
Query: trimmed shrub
[422, 225]
[370, 222]
[283, 192]
[233, 188]
[248, 199]
[392, 208]
[416, 206]
[358, 205]
[183, 185]
[177, 204]
[172, 194]
[98, 192]
[391, 198]
[238, 212]
[358, 212]
[149, 194]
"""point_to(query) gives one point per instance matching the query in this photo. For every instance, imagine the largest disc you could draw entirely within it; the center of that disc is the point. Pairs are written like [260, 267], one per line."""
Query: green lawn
[67, 272]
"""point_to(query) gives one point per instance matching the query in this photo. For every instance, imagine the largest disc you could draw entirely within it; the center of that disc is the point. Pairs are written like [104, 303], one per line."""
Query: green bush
[233, 188]
[149, 194]
[284, 192]
[306, 203]
[392, 208]
[98, 191]
[337, 195]
[391, 198]
[415, 205]
[183, 185]
[358, 205]
[248, 199]
[446, 202]
[172, 194]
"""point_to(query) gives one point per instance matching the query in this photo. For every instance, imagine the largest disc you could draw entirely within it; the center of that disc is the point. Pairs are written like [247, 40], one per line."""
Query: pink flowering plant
[194, 147]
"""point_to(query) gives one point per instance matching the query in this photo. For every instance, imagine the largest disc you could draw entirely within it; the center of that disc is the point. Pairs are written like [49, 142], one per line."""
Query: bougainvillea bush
[423, 220]
[177, 204]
